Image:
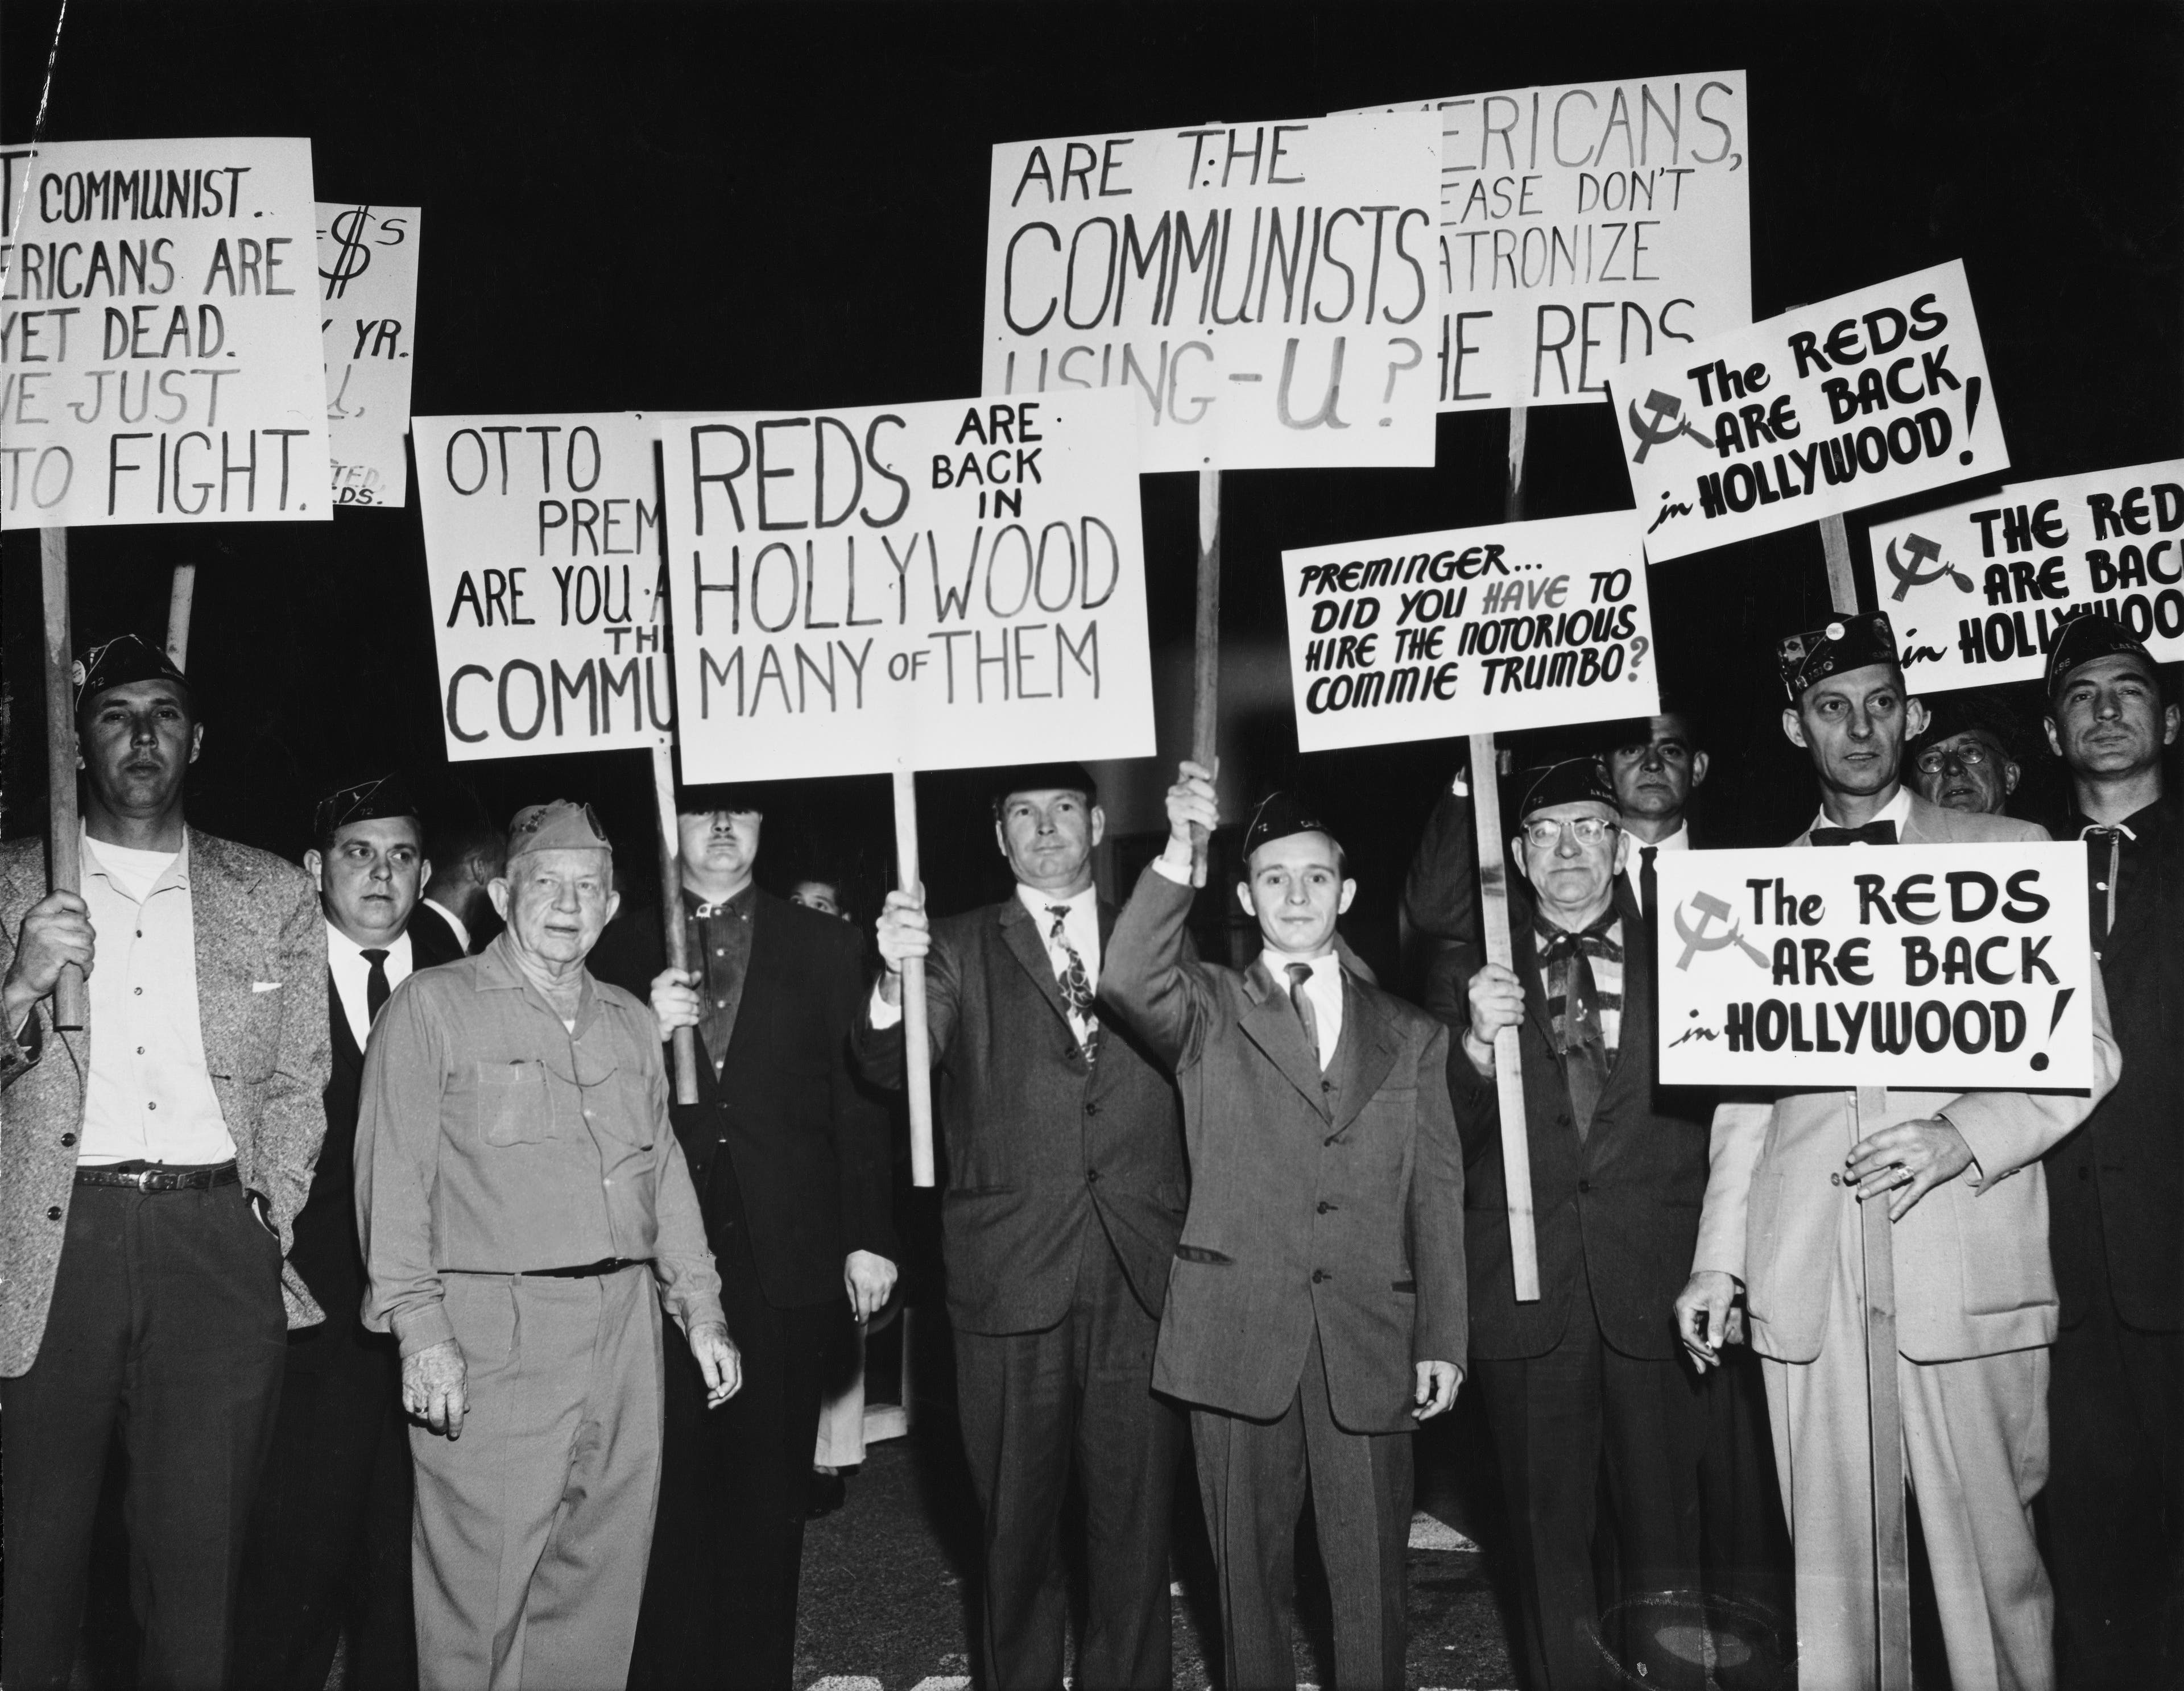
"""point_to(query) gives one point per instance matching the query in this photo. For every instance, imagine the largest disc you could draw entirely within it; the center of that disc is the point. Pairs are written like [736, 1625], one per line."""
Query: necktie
[1307, 1018]
[1567, 973]
[1647, 883]
[375, 988]
[1076, 984]
[1873, 833]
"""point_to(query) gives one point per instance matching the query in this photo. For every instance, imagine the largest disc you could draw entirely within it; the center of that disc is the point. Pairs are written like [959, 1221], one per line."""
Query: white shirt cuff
[1169, 871]
[884, 1015]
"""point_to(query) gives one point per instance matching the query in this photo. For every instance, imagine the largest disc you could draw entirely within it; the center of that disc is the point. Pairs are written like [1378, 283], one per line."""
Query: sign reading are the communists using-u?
[368, 283]
[159, 353]
[1469, 631]
[542, 544]
[938, 585]
[1268, 291]
[1979, 592]
[1864, 398]
[1584, 225]
[1935, 967]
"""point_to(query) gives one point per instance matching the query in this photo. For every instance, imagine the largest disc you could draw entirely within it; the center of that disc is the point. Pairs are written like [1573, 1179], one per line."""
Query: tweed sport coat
[1972, 1272]
[261, 962]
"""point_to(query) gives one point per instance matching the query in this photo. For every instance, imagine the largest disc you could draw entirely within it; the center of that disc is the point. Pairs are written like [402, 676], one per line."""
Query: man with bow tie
[1967, 1204]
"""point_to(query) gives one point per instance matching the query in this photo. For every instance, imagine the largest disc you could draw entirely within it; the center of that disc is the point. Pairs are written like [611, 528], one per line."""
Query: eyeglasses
[1589, 829]
[1971, 754]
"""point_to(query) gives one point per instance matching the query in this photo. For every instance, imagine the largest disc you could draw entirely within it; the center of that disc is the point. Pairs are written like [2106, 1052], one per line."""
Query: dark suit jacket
[326, 1251]
[1619, 1208]
[2127, 1162]
[425, 920]
[1333, 1201]
[1040, 1145]
[809, 1144]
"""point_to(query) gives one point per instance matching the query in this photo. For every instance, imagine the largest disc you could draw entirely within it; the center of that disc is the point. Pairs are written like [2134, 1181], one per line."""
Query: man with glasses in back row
[1964, 762]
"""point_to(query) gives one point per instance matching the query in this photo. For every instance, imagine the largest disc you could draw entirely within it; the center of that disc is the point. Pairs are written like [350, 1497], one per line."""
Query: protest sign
[159, 356]
[1585, 225]
[542, 541]
[938, 586]
[368, 316]
[1867, 396]
[1941, 967]
[1978, 592]
[1522, 625]
[1266, 291]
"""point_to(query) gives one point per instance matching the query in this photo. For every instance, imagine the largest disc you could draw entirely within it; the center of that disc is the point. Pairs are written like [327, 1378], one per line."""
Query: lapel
[1365, 1054]
[220, 917]
[1524, 948]
[1020, 933]
[1269, 1021]
[1635, 1044]
[347, 1058]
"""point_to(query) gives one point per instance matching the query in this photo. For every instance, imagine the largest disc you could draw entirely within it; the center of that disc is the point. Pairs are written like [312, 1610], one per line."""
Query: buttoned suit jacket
[1040, 1143]
[261, 967]
[1972, 1272]
[1334, 1201]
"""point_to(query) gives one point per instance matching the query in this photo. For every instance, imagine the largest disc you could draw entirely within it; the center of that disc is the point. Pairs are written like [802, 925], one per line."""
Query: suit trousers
[1580, 1419]
[166, 1328]
[329, 1534]
[531, 1530]
[1033, 1405]
[1976, 1451]
[1253, 1477]
[1746, 1553]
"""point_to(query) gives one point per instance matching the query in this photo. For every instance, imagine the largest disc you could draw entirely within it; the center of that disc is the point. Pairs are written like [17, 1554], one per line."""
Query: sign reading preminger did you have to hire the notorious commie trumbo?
[1945, 968]
[159, 353]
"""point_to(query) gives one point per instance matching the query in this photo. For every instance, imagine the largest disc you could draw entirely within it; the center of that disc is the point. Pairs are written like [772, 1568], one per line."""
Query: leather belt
[159, 1179]
[604, 1266]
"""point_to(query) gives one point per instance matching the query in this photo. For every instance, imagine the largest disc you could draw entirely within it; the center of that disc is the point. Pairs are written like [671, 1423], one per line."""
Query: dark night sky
[647, 206]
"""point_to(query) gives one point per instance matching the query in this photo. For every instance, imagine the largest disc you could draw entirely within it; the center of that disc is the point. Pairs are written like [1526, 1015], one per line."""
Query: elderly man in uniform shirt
[526, 1211]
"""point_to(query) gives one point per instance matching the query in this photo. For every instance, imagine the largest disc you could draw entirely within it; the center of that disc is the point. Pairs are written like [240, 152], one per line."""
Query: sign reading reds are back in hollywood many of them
[159, 358]
[1268, 291]
[1864, 398]
[1945, 968]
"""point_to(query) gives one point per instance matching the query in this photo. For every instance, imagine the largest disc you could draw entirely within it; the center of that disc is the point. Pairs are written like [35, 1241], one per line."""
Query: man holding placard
[1975, 1307]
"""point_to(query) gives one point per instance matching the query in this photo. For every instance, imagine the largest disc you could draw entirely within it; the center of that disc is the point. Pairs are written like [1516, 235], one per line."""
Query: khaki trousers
[532, 1530]
[1976, 1450]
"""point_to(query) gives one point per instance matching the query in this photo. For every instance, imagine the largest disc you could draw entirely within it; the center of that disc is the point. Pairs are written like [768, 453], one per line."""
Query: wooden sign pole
[917, 1043]
[179, 599]
[1891, 1548]
[71, 1003]
[685, 1039]
[1494, 901]
[1206, 653]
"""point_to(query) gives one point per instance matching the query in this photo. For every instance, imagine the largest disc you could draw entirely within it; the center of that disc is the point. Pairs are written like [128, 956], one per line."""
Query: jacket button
[1585, 1186]
[67, 1138]
[1318, 1275]
[1091, 1110]
[1835, 1180]
[1323, 1206]
[1092, 1176]
[53, 1213]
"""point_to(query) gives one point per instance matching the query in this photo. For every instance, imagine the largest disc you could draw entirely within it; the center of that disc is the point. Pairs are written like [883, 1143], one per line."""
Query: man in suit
[149, 1178]
[467, 858]
[1316, 1303]
[2115, 1503]
[790, 1157]
[1066, 1185]
[1963, 761]
[1976, 1296]
[330, 1532]
[1584, 1389]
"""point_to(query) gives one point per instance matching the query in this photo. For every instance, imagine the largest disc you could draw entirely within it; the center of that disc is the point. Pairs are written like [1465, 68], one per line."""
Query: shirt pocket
[618, 1106]
[511, 1103]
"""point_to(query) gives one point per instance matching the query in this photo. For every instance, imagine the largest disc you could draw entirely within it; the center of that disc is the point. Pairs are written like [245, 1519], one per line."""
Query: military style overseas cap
[2086, 638]
[1848, 643]
[1573, 781]
[559, 826]
[1280, 814]
[368, 801]
[117, 663]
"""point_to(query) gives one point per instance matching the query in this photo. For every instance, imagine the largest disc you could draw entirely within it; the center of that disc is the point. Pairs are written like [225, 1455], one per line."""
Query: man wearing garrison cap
[525, 1213]
[2115, 1502]
[1963, 761]
[151, 1167]
[1316, 1308]
[1975, 1309]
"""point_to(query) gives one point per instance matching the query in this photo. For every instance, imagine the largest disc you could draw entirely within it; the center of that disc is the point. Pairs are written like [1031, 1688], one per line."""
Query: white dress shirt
[1679, 841]
[352, 975]
[1323, 990]
[1897, 811]
[1081, 925]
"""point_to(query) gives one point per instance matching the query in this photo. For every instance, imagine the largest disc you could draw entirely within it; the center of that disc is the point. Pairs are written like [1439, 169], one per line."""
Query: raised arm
[1147, 975]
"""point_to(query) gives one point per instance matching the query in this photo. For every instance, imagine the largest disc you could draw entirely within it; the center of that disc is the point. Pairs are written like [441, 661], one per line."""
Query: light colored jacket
[261, 962]
[1972, 1272]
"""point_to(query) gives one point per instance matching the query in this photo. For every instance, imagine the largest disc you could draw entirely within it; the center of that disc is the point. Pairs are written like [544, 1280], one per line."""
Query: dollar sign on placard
[354, 257]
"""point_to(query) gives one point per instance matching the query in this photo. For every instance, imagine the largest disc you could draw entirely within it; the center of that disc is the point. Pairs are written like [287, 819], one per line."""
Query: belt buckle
[144, 1179]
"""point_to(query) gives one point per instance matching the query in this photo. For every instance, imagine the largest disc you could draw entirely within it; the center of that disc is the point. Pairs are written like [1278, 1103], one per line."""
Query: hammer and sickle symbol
[1711, 910]
[1922, 551]
[1665, 408]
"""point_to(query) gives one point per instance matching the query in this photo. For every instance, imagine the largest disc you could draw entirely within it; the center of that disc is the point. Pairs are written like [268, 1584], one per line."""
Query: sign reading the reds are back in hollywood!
[1584, 225]
[1470, 631]
[1861, 398]
[941, 585]
[1978, 592]
[368, 280]
[160, 339]
[1268, 291]
[1944, 968]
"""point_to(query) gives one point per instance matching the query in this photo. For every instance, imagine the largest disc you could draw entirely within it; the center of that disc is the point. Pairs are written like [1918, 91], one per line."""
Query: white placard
[542, 541]
[159, 334]
[1944, 968]
[938, 586]
[1268, 291]
[368, 312]
[1469, 631]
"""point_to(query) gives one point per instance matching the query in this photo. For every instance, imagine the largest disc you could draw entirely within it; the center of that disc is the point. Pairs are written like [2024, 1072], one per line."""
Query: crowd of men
[356, 1230]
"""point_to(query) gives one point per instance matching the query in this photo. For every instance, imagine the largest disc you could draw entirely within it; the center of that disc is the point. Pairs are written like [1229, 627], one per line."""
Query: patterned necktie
[1647, 883]
[1873, 833]
[1076, 984]
[1566, 972]
[375, 988]
[1301, 1001]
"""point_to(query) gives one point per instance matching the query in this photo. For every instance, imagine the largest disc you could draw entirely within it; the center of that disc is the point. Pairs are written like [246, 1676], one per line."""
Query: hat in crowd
[737, 797]
[1041, 778]
[1846, 642]
[1971, 710]
[1281, 814]
[559, 826]
[117, 663]
[1573, 781]
[367, 801]
[2084, 637]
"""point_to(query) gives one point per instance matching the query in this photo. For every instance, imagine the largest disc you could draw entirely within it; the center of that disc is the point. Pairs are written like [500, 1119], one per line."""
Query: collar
[340, 946]
[1548, 930]
[1040, 905]
[1326, 964]
[497, 970]
[176, 873]
[1679, 841]
[461, 928]
[737, 905]
[1897, 811]
[2136, 827]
